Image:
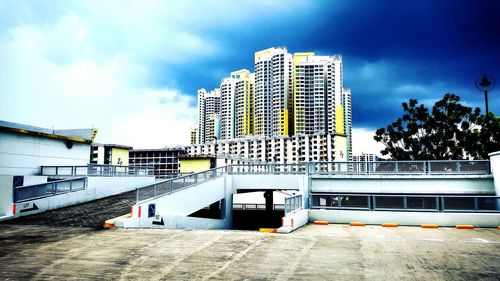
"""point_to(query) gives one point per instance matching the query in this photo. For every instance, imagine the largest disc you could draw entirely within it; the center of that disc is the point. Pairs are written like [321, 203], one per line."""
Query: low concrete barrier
[97, 187]
[406, 218]
[294, 220]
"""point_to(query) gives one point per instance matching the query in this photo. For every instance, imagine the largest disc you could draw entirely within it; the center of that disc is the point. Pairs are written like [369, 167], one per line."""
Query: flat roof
[158, 149]
[77, 135]
[113, 145]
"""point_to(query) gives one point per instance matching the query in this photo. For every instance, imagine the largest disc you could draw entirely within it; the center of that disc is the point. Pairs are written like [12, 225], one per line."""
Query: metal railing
[270, 168]
[407, 203]
[256, 206]
[461, 167]
[95, 170]
[293, 203]
[173, 185]
[36, 191]
[434, 167]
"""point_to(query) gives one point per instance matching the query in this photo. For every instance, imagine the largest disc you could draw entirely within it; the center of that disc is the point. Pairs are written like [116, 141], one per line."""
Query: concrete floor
[314, 252]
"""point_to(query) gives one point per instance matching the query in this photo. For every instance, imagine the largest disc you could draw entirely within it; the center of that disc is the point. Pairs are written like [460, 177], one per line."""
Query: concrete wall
[97, 187]
[172, 210]
[189, 200]
[406, 218]
[119, 154]
[7, 193]
[294, 220]
[263, 182]
[480, 184]
[495, 170]
[23, 154]
[194, 165]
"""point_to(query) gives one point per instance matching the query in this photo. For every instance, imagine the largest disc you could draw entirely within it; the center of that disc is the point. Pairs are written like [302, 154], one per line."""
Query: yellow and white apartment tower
[317, 87]
[237, 104]
[273, 92]
[209, 105]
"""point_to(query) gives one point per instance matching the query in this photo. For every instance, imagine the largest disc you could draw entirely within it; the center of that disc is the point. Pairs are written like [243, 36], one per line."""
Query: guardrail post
[458, 167]
[476, 204]
[57, 171]
[405, 202]
[374, 203]
[442, 204]
[396, 167]
[429, 168]
[137, 190]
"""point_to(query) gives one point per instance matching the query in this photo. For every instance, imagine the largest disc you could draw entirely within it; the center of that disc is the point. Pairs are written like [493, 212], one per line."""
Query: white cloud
[363, 142]
[79, 64]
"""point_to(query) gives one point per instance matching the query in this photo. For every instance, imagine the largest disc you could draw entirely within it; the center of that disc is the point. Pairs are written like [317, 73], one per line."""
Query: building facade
[277, 149]
[165, 161]
[273, 92]
[209, 106]
[288, 95]
[24, 148]
[110, 154]
[317, 88]
[347, 106]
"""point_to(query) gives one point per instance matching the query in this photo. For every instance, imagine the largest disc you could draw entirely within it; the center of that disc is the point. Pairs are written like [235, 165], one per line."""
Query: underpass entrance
[259, 209]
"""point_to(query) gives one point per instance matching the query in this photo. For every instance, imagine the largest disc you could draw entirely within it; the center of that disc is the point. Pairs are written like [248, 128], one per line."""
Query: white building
[24, 148]
[277, 149]
[317, 89]
[273, 92]
[347, 106]
[208, 114]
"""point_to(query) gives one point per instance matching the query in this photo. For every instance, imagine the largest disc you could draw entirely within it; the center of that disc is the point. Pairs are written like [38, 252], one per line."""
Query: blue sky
[132, 68]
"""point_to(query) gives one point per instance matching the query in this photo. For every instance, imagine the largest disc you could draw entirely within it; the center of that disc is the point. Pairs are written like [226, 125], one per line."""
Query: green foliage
[449, 131]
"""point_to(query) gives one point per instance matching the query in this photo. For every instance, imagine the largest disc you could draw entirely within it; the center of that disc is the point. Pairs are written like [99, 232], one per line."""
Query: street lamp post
[484, 83]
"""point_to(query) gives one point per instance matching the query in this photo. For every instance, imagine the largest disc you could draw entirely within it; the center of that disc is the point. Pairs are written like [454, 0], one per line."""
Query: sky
[133, 68]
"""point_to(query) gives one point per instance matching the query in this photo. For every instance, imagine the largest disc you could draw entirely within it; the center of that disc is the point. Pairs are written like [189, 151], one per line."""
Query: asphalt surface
[70, 244]
[90, 214]
[314, 252]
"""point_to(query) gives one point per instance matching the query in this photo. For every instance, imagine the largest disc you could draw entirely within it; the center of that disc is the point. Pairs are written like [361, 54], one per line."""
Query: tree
[449, 131]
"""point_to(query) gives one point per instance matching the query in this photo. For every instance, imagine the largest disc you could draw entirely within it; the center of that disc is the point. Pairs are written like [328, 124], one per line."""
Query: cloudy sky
[132, 68]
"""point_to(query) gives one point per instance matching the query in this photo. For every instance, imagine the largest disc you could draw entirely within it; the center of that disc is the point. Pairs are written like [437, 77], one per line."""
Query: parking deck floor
[314, 252]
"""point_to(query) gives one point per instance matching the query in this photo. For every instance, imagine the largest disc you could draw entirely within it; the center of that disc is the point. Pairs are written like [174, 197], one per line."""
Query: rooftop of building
[77, 135]
[112, 145]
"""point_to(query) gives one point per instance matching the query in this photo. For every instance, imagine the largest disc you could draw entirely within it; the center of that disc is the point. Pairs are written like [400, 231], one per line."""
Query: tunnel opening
[253, 210]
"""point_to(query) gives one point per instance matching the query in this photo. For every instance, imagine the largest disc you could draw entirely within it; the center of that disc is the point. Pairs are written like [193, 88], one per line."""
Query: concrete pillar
[269, 201]
[227, 203]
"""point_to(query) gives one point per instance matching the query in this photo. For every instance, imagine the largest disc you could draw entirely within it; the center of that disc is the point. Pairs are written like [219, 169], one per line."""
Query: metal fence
[255, 206]
[417, 203]
[95, 170]
[293, 203]
[434, 167]
[36, 191]
[269, 168]
[173, 185]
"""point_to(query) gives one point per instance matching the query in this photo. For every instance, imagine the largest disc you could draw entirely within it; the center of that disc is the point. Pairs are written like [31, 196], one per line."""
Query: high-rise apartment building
[209, 105]
[288, 96]
[347, 106]
[227, 87]
[273, 92]
[243, 102]
[317, 93]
